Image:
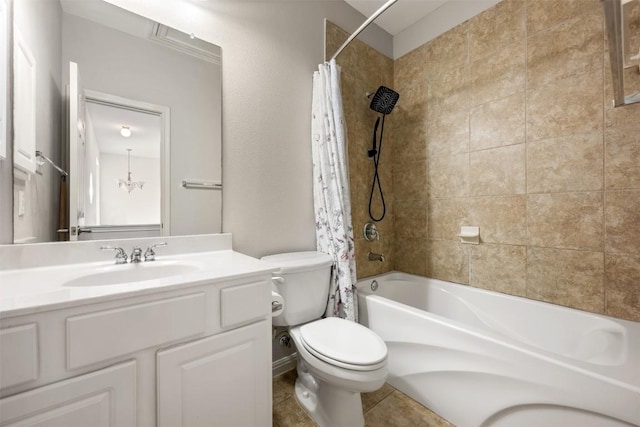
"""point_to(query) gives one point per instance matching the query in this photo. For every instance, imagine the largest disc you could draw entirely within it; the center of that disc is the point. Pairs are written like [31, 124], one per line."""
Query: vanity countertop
[31, 290]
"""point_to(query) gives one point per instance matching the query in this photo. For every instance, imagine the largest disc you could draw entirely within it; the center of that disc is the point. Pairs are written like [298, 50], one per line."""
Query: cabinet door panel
[223, 380]
[19, 355]
[102, 398]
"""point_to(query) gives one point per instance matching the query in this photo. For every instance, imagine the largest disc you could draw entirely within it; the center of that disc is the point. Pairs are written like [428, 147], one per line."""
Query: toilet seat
[344, 344]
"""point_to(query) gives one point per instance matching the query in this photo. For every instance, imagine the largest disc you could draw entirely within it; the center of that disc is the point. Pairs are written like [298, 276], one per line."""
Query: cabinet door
[102, 398]
[223, 380]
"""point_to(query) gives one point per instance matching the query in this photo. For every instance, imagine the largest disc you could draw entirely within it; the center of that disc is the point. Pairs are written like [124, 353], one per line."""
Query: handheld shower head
[384, 100]
[374, 150]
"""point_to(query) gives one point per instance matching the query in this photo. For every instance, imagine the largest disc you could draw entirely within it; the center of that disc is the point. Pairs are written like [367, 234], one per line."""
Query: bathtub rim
[625, 375]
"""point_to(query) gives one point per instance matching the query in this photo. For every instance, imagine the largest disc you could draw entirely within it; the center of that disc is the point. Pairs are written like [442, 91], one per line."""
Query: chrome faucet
[149, 254]
[375, 257]
[136, 255]
[121, 256]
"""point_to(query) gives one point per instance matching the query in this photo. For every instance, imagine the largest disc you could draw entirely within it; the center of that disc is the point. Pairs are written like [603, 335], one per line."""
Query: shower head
[384, 100]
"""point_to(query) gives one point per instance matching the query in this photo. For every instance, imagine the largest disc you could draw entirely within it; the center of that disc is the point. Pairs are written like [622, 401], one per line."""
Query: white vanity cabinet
[192, 355]
[225, 378]
[106, 398]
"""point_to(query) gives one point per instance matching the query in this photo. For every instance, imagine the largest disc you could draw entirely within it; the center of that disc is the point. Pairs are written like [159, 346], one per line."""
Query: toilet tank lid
[299, 261]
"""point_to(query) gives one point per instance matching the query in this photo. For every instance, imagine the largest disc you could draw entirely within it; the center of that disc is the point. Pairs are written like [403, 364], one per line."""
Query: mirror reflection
[631, 33]
[129, 107]
[120, 166]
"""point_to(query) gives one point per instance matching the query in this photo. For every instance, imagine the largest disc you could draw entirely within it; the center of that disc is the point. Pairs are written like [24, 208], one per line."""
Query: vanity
[184, 340]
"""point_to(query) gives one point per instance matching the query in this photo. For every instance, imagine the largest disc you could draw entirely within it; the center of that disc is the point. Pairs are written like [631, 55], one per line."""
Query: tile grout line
[526, 150]
[604, 171]
[379, 402]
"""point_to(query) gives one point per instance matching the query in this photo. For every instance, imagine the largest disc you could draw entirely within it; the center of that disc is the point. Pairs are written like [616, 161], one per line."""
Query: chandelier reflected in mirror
[129, 185]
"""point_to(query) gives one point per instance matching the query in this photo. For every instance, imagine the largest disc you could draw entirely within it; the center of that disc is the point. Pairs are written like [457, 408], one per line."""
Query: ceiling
[107, 122]
[111, 16]
[400, 15]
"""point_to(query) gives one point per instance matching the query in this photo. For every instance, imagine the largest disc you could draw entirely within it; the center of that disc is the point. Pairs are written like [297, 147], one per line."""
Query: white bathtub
[481, 358]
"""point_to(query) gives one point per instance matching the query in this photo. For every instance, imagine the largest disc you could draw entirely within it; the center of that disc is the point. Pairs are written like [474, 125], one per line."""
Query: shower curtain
[334, 230]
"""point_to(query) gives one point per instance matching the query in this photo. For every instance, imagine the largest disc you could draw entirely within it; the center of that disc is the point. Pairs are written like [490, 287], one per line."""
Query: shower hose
[375, 153]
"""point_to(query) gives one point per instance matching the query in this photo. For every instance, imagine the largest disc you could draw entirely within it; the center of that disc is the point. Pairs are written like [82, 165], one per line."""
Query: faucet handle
[121, 255]
[149, 254]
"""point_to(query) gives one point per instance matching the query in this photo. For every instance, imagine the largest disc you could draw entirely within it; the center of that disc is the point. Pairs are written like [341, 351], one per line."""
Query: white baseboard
[284, 364]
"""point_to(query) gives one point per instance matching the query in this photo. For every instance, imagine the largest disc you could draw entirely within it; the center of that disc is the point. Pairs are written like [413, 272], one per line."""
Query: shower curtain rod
[361, 28]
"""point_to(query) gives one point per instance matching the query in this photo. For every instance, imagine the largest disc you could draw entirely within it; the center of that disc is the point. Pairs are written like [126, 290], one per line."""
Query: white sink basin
[129, 273]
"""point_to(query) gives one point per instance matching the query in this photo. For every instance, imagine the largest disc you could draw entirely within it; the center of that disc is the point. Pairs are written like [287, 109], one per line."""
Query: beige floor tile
[369, 400]
[398, 410]
[384, 407]
[284, 386]
[289, 414]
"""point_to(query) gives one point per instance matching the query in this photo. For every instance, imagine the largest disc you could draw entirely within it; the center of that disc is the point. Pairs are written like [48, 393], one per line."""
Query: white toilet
[337, 359]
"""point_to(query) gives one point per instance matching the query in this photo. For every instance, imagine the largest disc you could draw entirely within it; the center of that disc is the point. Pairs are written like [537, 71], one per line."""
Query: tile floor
[386, 407]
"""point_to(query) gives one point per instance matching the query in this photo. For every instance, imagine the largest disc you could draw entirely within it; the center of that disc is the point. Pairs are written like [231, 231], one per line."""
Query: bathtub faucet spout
[375, 257]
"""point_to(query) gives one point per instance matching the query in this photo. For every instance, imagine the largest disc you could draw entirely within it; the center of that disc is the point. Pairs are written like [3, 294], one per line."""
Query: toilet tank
[303, 281]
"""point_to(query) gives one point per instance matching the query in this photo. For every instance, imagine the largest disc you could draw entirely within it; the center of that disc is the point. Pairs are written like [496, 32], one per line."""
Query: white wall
[6, 165]
[270, 50]
[40, 25]
[141, 206]
[91, 181]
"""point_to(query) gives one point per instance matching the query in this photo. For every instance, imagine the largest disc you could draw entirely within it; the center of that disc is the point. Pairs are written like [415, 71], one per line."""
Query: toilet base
[327, 405]
[331, 407]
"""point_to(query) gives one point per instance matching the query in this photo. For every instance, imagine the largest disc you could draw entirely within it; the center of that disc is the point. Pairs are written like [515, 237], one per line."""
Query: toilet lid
[295, 262]
[343, 341]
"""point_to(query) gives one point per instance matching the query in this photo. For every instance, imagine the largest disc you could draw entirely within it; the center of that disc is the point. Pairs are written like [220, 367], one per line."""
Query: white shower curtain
[334, 231]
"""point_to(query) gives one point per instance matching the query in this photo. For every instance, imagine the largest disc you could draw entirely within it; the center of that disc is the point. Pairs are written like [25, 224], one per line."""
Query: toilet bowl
[337, 359]
[330, 382]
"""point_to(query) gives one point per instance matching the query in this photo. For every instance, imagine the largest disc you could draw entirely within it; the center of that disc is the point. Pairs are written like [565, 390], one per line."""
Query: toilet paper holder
[277, 304]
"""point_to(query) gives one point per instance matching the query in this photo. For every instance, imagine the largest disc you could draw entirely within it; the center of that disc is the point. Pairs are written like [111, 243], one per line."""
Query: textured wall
[363, 70]
[6, 166]
[506, 124]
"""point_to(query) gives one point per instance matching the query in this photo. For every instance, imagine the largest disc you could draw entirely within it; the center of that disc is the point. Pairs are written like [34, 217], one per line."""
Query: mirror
[130, 108]
[631, 33]
[622, 19]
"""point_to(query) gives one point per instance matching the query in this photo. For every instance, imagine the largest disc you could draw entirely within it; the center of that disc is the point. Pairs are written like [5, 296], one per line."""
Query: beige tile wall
[363, 70]
[520, 141]
[504, 122]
